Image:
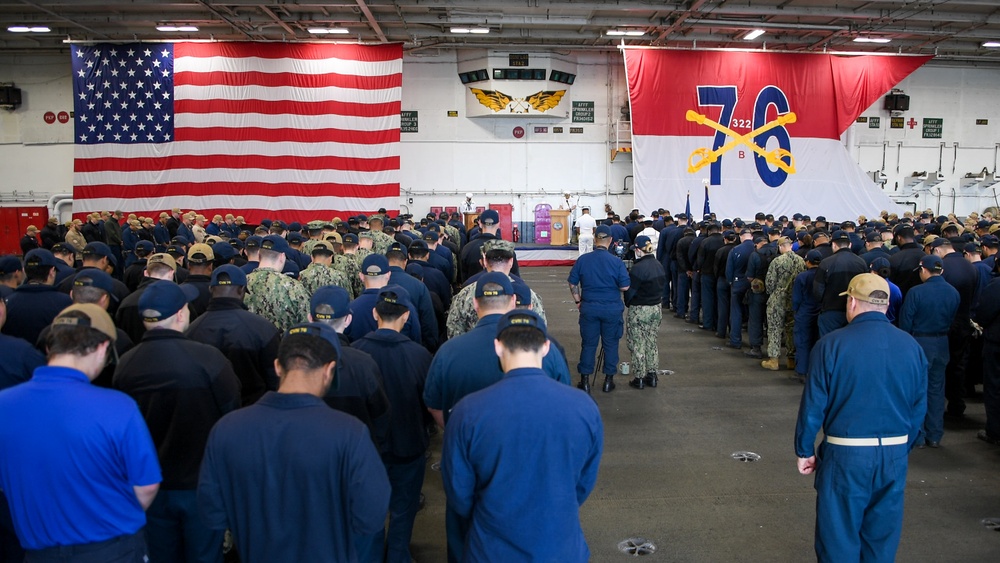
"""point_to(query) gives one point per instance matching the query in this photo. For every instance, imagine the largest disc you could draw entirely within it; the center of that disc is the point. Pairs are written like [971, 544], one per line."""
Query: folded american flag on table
[297, 131]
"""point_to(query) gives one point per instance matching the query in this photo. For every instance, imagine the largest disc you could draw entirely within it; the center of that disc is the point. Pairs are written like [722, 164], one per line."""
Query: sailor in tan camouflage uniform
[380, 240]
[320, 272]
[498, 257]
[273, 295]
[780, 320]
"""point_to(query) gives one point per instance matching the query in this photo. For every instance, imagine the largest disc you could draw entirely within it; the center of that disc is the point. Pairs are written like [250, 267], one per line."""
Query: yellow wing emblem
[546, 100]
[495, 100]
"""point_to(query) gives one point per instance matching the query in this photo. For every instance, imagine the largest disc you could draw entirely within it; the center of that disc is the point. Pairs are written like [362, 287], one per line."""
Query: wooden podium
[561, 229]
[470, 220]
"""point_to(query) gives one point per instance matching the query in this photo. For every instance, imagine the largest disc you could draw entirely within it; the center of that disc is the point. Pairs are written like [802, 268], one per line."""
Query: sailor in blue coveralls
[867, 391]
[927, 314]
[596, 282]
[524, 420]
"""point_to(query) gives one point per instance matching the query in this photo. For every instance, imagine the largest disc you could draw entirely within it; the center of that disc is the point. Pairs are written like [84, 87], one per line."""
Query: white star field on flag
[123, 93]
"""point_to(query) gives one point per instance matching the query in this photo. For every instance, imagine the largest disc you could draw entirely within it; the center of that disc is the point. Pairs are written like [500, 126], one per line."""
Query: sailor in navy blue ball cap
[318, 330]
[521, 318]
[498, 278]
[489, 217]
[224, 252]
[228, 274]
[602, 232]
[40, 257]
[275, 243]
[396, 295]
[92, 277]
[164, 299]
[330, 302]
[144, 248]
[375, 265]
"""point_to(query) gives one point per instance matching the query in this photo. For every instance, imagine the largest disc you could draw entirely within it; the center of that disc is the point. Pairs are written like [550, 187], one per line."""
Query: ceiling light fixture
[28, 29]
[479, 30]
[614, 32]
[328, 30]
[753, 35]
[872, 40]
[629, 32]
[991, 44]
[176, 28]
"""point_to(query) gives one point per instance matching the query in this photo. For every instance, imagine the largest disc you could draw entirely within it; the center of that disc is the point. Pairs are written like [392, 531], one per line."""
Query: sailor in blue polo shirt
[77, 463]
[867, 391]
[524, 420]
[596, 283]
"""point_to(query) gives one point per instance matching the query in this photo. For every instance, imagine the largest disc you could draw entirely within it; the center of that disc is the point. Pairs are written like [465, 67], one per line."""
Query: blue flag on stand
[708, 208]
[687, 208]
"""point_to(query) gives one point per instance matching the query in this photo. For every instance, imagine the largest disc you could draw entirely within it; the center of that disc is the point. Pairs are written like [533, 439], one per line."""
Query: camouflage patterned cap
[498, 244]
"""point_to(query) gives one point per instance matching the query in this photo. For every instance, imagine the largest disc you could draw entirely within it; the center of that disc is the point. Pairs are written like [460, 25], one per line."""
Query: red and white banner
[296, 131]
[763, 128]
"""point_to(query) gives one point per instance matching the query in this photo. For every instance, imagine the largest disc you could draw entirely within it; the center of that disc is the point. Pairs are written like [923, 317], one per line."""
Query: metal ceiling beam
[371, 20]
[219, 15]
[61, 18]
[277, 20]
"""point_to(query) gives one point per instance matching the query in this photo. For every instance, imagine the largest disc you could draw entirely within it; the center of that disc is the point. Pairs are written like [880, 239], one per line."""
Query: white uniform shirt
[586, 223]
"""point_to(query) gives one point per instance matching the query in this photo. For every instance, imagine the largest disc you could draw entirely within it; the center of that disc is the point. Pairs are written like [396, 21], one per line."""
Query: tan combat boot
[770, 363]
[790, 363]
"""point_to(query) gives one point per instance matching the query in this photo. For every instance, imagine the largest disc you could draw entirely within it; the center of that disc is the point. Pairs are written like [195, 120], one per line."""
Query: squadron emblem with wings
[498, 101]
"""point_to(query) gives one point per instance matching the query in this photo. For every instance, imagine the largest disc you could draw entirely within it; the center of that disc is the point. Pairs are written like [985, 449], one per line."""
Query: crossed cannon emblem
[703, 157]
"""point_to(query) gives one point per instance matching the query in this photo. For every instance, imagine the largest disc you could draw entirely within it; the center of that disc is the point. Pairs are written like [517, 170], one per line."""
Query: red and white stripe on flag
[296, 131]
[693, 113]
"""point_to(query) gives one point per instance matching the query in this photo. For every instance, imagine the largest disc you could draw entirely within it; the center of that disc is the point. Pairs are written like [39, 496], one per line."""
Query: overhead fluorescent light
[479, 30]
[629, 32]
[991, 44]
[176, 28]
[28, 29]
[872, 40]
[753, 35]
[328, 30]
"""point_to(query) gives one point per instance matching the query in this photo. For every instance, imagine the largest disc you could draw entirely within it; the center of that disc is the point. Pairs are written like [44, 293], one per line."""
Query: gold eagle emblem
[498, 101]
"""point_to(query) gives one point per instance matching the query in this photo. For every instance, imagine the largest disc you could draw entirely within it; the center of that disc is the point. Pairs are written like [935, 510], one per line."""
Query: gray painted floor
[666, 473]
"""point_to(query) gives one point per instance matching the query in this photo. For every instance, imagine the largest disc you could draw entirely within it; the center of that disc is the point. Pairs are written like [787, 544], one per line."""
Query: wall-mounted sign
[862, 119]
[517, 59]
[557, 129]
[932, 127]
[49, 117]
[576, 130]
[408, 122]
[583, 112]
[63, 117]
[982, 122]
[453, 113]
[874, 122]
[541, 129]
[895, 123]
[518, 132]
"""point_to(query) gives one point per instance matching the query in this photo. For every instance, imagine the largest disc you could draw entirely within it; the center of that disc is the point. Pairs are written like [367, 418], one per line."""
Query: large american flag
[296, 131]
